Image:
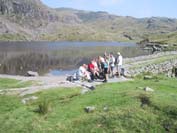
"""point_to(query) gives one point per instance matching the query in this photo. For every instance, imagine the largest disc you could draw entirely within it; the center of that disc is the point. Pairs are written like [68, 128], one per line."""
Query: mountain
[32, 20]
[27, 19]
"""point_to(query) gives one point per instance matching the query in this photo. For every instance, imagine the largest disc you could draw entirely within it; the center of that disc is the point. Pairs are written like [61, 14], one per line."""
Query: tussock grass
[43, 107]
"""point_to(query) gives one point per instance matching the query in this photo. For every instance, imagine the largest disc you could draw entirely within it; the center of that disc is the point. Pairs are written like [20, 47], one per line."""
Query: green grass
[124, 114]
[6, 83]
[12, 37]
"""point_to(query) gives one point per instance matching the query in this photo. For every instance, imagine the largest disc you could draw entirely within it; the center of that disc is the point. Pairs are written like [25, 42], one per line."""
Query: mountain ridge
[32, 20]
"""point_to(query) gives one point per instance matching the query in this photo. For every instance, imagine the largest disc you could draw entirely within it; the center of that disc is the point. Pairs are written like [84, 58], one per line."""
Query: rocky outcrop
[33, 74]
[33, 9]
[128, 36]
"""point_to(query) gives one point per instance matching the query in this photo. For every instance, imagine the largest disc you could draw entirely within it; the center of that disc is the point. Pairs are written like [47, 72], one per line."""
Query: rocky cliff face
[28, 13]
[27, 8]
[29, 18]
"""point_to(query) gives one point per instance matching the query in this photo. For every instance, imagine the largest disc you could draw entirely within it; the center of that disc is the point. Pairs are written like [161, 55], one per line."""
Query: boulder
[85, 90]
[148, 89]
[33, 74]
[89, 109]
[25, 100]
[127, 74]
[105, 108]
[147, 77]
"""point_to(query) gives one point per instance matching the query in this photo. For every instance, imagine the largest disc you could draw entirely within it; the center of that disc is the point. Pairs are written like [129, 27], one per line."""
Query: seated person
[95, 63]
[83, 73]
[92, 68]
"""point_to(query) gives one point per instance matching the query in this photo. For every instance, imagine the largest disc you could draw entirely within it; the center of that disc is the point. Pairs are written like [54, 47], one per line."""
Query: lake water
[56, 58]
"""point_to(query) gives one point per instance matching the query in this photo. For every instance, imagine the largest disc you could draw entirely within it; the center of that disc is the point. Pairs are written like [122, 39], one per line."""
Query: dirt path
[50, 82]
[43, 83]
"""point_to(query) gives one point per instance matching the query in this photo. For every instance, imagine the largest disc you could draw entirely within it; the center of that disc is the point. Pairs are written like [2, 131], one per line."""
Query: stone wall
[166, 67]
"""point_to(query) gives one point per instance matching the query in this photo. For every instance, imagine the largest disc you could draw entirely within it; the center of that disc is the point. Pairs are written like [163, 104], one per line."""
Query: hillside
[32, 20]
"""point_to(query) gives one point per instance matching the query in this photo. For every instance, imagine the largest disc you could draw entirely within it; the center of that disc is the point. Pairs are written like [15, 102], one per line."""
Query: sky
[135, 8]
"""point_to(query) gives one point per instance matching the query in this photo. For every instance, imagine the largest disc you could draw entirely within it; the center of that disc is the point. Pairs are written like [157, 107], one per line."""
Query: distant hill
[32, 20]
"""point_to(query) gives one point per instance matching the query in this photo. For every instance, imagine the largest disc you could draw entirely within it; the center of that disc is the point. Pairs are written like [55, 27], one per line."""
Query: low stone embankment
[164, 62]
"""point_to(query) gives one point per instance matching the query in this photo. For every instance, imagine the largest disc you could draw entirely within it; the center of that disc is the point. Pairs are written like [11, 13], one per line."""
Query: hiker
[101, 61]
[112, 64]
[93, 70]
[118, 62]
[95, 63]
[83, 73]
[106, 68]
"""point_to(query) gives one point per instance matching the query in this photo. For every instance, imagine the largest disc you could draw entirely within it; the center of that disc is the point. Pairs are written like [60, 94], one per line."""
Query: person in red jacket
[93, 70]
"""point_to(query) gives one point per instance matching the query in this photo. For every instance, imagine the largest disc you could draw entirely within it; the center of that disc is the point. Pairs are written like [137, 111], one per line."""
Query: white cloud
[109, 2]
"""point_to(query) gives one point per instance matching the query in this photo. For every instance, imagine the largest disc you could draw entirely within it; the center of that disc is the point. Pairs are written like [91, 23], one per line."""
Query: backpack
[70, 78]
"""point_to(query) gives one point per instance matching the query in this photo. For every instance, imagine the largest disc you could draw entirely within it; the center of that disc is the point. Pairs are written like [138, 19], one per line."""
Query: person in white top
[119, 61]
[101, 63]
[83, 73]
[112, 64]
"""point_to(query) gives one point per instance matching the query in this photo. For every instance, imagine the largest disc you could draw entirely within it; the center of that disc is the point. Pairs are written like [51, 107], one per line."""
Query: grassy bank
[12, 37]
[129, 109]
[170, 38]
[6, 83]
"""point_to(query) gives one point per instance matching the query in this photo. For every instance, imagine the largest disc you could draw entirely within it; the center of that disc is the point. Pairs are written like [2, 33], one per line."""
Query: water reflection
[18, 58]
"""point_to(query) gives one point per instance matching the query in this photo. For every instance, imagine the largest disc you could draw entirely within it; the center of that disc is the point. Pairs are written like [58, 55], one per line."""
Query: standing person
[112, 64]
[101, 61]
[106, 68]
[118, 63]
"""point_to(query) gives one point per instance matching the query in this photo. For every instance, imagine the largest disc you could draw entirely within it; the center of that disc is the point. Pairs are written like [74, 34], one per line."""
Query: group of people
[103, 68]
